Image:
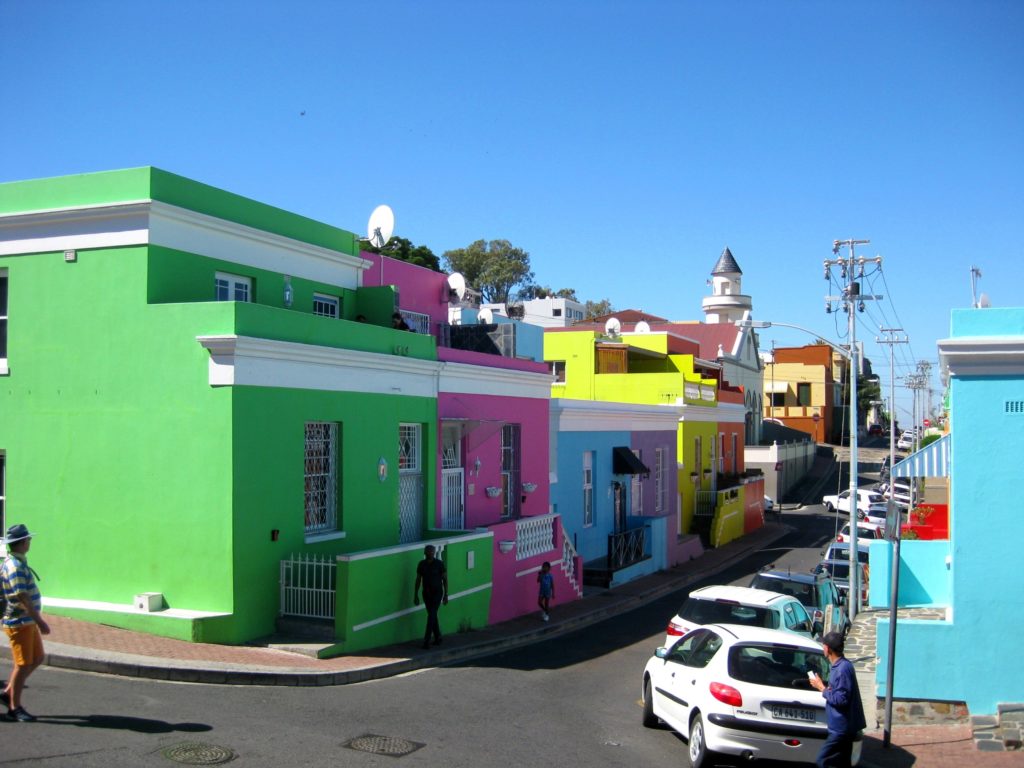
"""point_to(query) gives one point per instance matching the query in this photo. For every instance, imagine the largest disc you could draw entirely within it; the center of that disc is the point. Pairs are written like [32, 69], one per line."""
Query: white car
[769, 504]
[726, 604]
[867, 501]
[906, 441]
[741, 691]
[865, 532]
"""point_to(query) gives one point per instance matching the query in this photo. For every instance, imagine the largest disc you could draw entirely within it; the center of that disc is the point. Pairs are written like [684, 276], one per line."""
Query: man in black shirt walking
[431, 574]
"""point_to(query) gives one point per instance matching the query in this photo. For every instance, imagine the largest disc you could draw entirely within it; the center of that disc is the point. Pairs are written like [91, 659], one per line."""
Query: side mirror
[661, 653]
[817, 629]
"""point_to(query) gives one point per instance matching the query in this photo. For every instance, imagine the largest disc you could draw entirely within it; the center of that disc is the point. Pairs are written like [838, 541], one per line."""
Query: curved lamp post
[854, 601]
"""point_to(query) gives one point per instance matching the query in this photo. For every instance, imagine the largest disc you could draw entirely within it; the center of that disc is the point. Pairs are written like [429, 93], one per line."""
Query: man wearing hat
[844, 710]
[22, 621]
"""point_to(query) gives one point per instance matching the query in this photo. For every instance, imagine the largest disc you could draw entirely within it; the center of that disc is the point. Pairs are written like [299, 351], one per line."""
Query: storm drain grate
[191, 753]
[383, 745]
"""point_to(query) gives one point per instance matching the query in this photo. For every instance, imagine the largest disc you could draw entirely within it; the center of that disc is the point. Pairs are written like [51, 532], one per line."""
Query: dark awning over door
[625, 462]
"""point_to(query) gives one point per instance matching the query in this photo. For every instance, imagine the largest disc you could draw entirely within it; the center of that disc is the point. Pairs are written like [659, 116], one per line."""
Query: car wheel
[650, 719]
[829, 508]
[699, 756]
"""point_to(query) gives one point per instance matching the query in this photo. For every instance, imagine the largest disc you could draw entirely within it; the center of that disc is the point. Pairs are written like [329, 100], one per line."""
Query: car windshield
[725, 612]
[783, 666]
[802, 592]
[838, 571]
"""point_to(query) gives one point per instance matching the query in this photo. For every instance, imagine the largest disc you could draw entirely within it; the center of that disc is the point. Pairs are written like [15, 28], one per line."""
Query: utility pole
[894, 529]
[851, 269]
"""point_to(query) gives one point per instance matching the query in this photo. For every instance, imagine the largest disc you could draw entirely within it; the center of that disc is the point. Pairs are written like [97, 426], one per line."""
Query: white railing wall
[535, 535]
[569, 559]
[308, 586]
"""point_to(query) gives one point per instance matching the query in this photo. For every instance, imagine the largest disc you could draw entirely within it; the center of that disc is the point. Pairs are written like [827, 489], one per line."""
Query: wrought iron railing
[627, 547]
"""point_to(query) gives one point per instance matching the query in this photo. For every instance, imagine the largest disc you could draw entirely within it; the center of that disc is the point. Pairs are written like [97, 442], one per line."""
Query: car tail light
[726, 694]
[676, 630]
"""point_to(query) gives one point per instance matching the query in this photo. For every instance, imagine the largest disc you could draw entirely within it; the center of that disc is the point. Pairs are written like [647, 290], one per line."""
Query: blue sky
[623, 144]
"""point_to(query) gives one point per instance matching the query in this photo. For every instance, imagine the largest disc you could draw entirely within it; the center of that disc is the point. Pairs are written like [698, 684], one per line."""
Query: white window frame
[321, 455]
[410, 437]
[636, 487]
[721, 452]
[660, 485]
[5, 298]
[588, 489]
[511, 470]
[325, 305]
[238, 287]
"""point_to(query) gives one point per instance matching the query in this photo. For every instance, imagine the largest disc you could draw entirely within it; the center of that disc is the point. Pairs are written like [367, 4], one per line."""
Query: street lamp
[849, 354]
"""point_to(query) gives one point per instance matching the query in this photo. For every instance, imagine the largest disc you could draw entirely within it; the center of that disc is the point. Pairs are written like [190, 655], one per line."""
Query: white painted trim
[597, 415]
[417, 545]
[151, 222]
[248, 361]
[95, 605]
[462, 378]
[982, 356]
[319, 538]
[417, 608]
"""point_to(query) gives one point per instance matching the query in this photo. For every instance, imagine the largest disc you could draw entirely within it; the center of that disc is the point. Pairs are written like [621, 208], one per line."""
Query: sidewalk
[82, 645]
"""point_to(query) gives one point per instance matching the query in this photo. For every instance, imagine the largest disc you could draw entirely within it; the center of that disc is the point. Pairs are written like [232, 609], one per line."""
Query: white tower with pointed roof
[726, 304]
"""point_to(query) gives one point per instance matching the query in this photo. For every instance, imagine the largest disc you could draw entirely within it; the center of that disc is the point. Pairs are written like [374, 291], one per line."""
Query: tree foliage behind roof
[403, 250]
[496, 268]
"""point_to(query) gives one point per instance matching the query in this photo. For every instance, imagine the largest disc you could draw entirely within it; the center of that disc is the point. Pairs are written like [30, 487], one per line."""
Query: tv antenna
[485, 316]
[975, 274]
[642, 327]
[613, 326]
[380, 227]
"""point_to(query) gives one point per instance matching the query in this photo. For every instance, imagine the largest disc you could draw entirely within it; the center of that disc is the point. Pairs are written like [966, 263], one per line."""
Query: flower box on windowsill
[493, 492]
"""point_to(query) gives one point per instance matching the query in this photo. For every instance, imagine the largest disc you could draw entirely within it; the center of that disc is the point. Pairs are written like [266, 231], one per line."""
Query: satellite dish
[613, 326]
[381, 226]
[984, 302]
[457, 284]
[642, 327]
[485, 316]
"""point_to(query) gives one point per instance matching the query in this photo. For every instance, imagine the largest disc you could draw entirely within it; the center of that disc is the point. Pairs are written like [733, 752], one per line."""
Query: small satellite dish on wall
[381, 226]
[485, 316]
[457, 285]
[984, 302]
[612, 327]
[643, 327]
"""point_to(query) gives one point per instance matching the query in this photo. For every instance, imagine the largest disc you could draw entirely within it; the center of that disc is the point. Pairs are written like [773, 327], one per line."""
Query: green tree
[594, 309]
[404, 250]
[545, 291]
[495, 268]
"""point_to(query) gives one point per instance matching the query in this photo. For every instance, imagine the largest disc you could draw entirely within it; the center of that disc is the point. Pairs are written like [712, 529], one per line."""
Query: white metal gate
[452, 499]
[410, 483]
[308, 586]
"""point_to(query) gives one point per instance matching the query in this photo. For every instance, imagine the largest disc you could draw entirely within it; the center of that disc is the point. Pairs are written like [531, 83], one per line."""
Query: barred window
[321, 477]
[409, 447]
[510, 475]
[660, 486]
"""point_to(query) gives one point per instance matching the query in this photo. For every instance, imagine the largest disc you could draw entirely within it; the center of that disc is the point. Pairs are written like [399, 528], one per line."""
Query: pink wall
[419, 289]
[486, 415]
[514, 582]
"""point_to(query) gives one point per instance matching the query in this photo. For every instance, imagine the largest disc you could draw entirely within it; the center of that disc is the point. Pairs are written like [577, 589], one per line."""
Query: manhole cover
[198, 754]
[383, 745]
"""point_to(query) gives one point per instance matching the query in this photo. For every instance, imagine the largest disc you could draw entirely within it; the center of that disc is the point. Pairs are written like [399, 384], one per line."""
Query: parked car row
[732, 677]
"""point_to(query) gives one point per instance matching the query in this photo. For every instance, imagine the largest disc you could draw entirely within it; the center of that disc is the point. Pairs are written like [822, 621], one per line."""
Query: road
[572, 699]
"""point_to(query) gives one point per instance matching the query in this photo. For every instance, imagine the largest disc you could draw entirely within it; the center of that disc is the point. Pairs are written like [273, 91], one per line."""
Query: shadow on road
[124, 723]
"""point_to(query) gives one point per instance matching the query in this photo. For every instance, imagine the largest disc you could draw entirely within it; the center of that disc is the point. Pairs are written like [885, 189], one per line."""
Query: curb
[62, 656]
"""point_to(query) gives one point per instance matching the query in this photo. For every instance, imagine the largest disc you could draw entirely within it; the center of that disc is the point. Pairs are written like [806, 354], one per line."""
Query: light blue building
[971, 656]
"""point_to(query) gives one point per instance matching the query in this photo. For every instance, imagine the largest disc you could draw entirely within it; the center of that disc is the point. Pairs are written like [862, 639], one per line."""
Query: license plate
[792, 713]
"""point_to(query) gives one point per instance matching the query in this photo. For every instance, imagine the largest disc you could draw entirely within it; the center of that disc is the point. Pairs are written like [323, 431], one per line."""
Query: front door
[410, 482]
[453, 498]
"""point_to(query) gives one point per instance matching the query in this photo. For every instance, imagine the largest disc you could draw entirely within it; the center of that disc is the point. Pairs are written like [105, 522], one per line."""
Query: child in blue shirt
[546, 582]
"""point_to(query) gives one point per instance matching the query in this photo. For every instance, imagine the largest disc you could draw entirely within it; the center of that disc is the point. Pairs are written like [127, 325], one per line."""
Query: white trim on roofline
[248, 361]
[152, 222]
[982, 356]
[599, 415]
